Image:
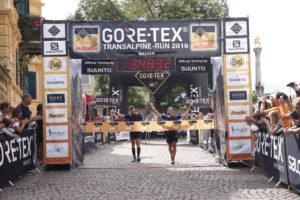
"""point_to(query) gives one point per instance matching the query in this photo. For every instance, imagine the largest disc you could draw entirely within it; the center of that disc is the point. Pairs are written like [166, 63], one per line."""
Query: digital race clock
[146, 64]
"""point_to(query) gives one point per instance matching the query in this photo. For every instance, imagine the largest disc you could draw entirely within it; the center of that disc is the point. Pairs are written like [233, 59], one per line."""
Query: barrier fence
[17, 156]
[279, 156]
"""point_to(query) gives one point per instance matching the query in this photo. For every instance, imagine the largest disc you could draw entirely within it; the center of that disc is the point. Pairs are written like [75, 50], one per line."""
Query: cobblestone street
[108, 174]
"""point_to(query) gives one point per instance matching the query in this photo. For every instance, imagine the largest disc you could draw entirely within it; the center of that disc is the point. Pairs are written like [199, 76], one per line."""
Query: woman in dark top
[172, 136]
[39, 133]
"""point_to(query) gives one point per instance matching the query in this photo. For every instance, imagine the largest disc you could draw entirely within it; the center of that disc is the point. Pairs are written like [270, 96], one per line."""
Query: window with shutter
[22, 7]
[30, 84]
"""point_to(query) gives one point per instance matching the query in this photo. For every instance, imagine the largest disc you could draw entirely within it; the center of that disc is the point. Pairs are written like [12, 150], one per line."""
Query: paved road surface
[109, 175]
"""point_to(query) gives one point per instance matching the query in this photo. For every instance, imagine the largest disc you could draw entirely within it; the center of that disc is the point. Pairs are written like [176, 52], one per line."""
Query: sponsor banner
[238, 95]
[88, 141]
[56, 81]
[123, 39]
[57, 132]
[238, 112]
[55, 64]
[16, 156]
[239, 61]
[99, 137]
[56, 98]
[240, 146]
[201, 102]
[97, 66]
[122, 136]
[193, 65]
[237, 78]
[195, 92]
[270, 155]
[55, 30]
[55, 48]
[107, 101]
[57, 150]
[236, 28]
[239, 129]
[59, 115]
[236, 45]
[293, 160]
[152, 80]
[148, 126]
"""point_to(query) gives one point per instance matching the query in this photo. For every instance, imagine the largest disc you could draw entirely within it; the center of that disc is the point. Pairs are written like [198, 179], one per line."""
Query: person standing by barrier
[5, 108]
[18, 125]
[39, 133]
[172, 136]
[295, 114]
[135, 136]
[26, 113]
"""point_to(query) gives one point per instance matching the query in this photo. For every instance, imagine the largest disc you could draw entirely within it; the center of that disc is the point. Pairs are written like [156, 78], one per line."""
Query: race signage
[236, 45]
[238, 95]
[238, 112]
[56, 98]
[55, 81]
[239, 61]
[56, 115]
[193, 65]
[240, 146]
[97, 66]
[238, 129]
[55, 64]
[107, 101]
[54, 48]
[236, 27]
[146, 64]
[152, 80]
[202, 102]
[237, 78]
[54, 30]
[57, 132]
[57, 150]
[123, 39]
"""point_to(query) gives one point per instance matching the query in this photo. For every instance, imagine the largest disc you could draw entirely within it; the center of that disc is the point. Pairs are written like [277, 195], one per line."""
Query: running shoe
[134, 160]
[173, 162]
[138, 159]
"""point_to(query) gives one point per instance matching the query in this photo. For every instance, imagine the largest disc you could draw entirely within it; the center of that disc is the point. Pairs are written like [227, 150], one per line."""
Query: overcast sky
[274, 21]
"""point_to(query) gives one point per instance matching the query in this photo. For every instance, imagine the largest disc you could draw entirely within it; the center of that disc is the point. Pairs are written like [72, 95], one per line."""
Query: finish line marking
[140, 166]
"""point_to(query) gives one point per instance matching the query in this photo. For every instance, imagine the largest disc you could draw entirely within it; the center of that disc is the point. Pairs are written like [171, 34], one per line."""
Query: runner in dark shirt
[135, 137]
[172, 136]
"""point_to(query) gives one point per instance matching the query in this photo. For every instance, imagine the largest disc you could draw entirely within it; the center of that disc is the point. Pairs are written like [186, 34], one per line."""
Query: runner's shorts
[135, 135]
[172, 136]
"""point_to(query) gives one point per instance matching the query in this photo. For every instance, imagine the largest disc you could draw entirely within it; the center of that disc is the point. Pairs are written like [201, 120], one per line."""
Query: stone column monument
[258, 82]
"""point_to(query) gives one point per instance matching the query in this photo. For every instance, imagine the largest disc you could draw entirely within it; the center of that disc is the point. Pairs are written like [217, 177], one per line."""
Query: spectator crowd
[14, 120]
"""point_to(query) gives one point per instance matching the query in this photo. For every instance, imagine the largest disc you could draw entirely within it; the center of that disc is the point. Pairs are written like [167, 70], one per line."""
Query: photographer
[286, 108]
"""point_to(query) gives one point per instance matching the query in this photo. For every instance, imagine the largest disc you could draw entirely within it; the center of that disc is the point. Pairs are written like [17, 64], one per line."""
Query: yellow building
[10, 39]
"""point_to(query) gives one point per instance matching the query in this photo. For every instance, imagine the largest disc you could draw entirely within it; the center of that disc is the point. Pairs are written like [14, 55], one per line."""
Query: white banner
[58, 115]
[55, 81]
[238, 95]
[239, 129]
[240, 146]
[56, 98]
[122, 135]
[238, 112]
[57, 150]
[55, 64]
[237, 78]
[236, 28]
[237, 61]
[57, 132]
[236, 45]
[54, 48]
[54, 31]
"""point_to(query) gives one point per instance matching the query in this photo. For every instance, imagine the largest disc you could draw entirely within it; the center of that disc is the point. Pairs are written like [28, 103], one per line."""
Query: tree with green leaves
[149, 10]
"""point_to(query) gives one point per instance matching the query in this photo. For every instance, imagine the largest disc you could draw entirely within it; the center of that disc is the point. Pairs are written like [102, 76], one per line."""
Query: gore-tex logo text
[165, 34]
